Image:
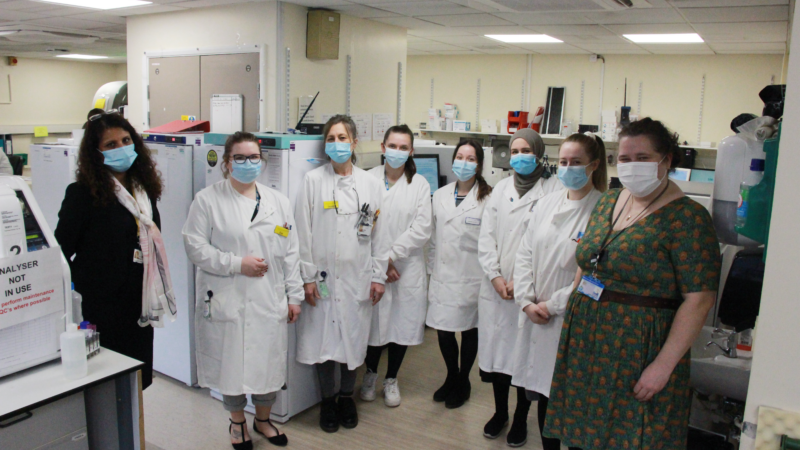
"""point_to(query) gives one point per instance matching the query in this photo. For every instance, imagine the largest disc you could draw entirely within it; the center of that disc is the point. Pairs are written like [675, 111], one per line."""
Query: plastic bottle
[73, 353]
[751, 179]
[77, 306]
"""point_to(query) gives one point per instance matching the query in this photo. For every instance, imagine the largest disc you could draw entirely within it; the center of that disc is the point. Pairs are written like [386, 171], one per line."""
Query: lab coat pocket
[221, 301]
[471, 229]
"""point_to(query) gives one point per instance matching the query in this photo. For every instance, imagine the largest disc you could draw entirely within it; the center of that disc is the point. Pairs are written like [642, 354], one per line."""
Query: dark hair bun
[664, 141]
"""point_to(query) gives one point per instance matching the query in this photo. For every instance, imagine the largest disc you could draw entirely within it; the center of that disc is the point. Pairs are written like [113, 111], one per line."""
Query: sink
[714, 373]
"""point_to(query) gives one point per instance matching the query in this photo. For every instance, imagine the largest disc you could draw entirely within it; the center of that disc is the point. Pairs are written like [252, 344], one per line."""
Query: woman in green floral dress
[622, 374]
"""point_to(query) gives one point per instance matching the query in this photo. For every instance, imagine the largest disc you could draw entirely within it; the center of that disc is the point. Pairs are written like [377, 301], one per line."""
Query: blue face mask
[120, 159]
[523, 163]
[464, 170]
[396, 158]
[338, 151]
[573, 177]
[247, 172]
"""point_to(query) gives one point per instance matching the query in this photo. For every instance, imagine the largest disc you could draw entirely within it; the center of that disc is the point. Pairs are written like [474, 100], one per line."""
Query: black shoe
[518, 434]
[441, 394]
[459, 395]
[348, 416]
[495, 426]
[328, 419]
[246, 445]
[280, 439]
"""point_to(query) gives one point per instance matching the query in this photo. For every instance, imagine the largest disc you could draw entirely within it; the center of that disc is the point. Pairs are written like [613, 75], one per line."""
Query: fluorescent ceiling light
[683, 38]
[524, 38]
[76, 56]
[98, 4]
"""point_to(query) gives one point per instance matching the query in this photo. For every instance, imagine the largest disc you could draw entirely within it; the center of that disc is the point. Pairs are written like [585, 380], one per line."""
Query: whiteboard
[226, 113]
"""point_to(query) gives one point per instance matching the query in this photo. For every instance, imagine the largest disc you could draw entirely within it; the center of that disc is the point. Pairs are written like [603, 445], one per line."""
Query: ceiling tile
[147, 9]
[483, 7]
[546, 19]
[114, 29]
[637, 16]
[507, 51]
[408, 22]
[427, 8]
[466, 41]
[736, 14]
[551, 48]
[551, 5]
[743, 32]
[68, 22]
[509, 29]
[663, 28]
[313, 3]
[431, 46]
[572, 30]
[749, 47]
[613, 49]
[100, 17]
[438, 31]
[377, 3]
[726, 3]
[590, 39]
[467, 20]
[364, 12]
[16, 15]
[459, 52]
[205, 3]
[678, 49]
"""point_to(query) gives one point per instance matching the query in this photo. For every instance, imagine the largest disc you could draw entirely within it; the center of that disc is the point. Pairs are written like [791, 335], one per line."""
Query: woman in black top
[103, 236]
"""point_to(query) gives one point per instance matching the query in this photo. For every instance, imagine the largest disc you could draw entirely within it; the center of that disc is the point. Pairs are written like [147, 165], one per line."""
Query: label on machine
[31, 286]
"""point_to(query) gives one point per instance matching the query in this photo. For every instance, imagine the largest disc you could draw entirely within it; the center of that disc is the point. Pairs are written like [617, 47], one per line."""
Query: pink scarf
[158, 298]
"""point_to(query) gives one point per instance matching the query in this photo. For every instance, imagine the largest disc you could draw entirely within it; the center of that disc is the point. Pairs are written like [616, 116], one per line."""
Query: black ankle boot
[348, 415]
[328, 417]
[495, 426]
[518, 433]
[459, 395]
[441, 394]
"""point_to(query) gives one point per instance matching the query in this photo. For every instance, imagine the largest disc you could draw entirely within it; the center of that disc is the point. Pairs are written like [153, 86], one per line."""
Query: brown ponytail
[596, 151]
[483, 187]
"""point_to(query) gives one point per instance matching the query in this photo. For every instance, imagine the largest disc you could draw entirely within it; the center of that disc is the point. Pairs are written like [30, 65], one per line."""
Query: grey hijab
[524, 183]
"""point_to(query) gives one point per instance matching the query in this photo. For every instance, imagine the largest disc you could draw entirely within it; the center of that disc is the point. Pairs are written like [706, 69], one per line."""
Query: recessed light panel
[524, 38]
[77, 56]
[98, 4]
[682, 38]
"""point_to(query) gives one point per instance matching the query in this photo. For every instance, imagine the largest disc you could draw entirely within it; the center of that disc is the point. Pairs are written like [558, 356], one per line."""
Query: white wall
[204, 28]
[776, 360]
[670, 86]
[50, 92]
[375, 48]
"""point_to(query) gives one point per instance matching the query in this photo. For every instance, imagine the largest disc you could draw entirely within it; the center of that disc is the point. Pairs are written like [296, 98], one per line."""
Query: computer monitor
[428, 167]
[702, 176]
[681, 174]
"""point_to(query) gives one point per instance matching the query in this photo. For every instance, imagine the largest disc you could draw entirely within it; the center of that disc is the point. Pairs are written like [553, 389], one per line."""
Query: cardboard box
[461, 125]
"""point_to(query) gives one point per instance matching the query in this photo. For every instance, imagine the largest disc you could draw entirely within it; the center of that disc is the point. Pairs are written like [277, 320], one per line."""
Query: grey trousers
[327, 379]
[236, 403]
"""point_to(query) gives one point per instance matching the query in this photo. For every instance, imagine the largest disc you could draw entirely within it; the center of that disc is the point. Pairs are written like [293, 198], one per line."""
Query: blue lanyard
[386, 180]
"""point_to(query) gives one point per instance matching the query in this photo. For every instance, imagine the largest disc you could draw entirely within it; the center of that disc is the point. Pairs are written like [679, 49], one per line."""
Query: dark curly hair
[93, 173]
[664, 141]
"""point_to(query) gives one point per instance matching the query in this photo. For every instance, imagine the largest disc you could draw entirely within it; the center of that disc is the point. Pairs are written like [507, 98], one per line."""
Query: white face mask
[641, 178]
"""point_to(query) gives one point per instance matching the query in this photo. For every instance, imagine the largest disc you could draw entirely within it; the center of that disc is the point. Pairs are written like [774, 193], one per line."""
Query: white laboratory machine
[288, 158]
[52, 170]
[173, 147]
[110, 96]
[35, 282]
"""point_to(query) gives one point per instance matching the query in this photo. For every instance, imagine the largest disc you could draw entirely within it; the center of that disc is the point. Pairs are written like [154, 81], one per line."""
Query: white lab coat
[406, 210]
[453, 260]
[241, 348]
[337, 329]
[545, 271]
[505, 220]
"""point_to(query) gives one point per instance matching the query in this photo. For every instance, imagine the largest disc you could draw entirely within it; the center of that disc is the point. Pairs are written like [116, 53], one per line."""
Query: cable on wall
[639, 104]
[347, 85]
[478, 106]
[399, 91]
[288, 87]
[522, 98]
[583, 88]
[702, 100]
[431, 93]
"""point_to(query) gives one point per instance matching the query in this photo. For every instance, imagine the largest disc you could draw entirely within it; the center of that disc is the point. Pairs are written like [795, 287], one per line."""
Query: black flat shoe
[518, 434]
[459, 395]
[348, 415]
[495, 426]
[246, 445]
[328, 419]
[280, 440]
[441, 394]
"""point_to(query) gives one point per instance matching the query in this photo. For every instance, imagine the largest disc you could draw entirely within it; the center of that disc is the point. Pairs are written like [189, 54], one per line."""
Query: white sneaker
[368, 386]
[391, 392]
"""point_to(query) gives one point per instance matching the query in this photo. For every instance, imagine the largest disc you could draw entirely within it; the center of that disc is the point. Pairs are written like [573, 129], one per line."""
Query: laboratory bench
[41, 409]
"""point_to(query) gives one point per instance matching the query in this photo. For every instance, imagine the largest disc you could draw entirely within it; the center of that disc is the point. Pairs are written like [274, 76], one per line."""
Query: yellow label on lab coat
[279, 230]
[40, 132]
[331, 205]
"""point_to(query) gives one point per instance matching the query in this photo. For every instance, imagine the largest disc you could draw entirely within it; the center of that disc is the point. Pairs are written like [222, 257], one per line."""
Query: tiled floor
[179, 417]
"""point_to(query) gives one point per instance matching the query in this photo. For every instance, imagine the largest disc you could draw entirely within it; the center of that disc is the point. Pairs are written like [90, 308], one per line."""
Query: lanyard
[455, 195]
[385, 179]
[258, 203]
[600, 254]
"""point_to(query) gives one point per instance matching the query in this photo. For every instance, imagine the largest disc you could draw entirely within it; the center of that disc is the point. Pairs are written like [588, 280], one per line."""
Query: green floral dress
[604, 347]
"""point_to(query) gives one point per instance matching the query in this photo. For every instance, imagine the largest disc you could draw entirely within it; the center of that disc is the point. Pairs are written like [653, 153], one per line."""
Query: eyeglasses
[336, 204]
[240, 159]
[104, 113]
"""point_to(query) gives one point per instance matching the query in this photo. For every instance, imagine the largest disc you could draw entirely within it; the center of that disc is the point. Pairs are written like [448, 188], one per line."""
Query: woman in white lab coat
[545, 266]
[399, 319]
[505, 220]
[239, 234]
[343, 265]
[455, 271]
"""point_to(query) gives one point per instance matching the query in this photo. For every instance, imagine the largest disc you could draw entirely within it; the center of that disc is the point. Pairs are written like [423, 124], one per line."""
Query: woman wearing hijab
[505, 220]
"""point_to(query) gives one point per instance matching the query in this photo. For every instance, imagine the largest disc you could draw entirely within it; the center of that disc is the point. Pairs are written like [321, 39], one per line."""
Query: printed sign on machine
[30, 285]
